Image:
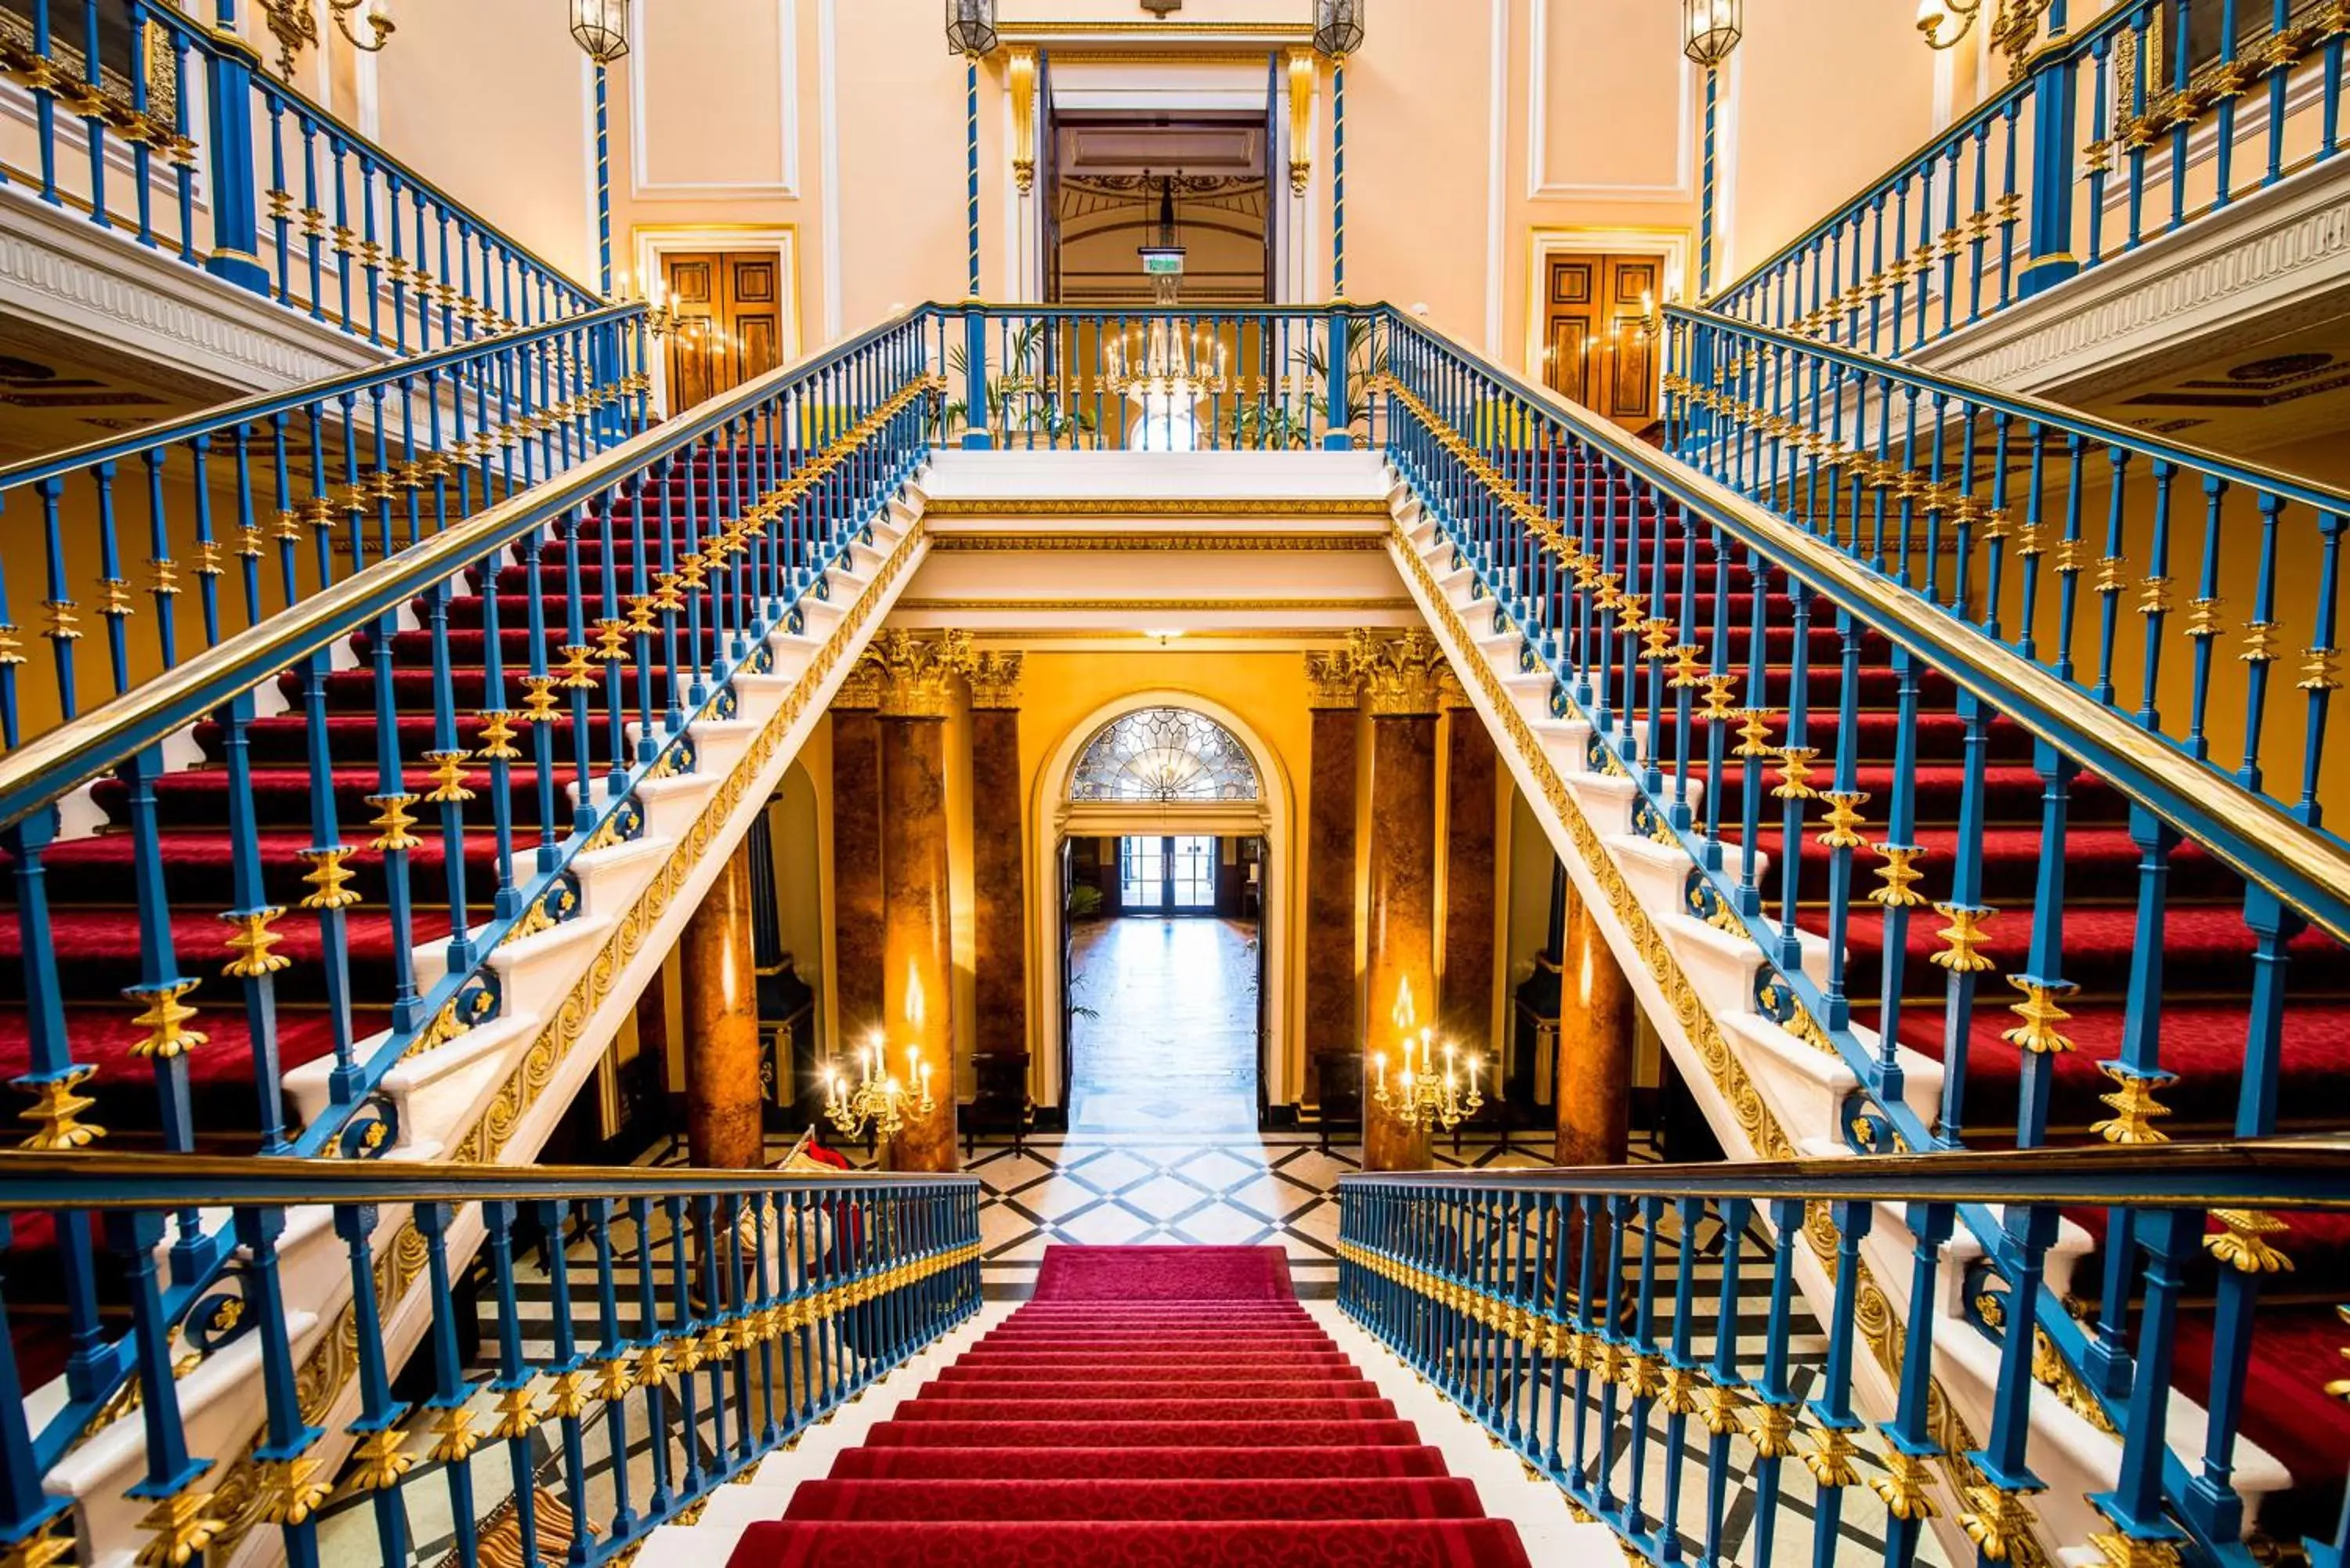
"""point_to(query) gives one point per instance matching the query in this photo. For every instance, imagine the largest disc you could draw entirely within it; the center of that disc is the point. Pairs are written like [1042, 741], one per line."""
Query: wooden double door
[1597, 348]
[730, 310]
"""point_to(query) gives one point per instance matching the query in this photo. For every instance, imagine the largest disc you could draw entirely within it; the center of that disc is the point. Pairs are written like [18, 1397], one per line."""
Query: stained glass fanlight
[1164, 755]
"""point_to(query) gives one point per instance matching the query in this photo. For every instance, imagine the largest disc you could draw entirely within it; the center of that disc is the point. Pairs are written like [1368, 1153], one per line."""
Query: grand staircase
[1161, 1405]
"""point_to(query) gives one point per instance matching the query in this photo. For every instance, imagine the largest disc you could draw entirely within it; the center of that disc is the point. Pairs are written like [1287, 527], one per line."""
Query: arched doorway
[1163, 832]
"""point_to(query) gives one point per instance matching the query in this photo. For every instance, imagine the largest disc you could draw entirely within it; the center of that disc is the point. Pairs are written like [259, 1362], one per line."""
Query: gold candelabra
[878, 1099]
[1426, 1095]
[296, 26]
[1165, 360]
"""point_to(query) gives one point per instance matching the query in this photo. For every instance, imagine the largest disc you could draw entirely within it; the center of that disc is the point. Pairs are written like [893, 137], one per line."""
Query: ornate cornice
[995, 678]
[916, 674]
[1404, 676]
[946, 507]
[1126, 542]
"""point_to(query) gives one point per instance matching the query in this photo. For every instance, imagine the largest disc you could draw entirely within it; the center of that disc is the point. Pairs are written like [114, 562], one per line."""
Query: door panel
[1597, 352]
[731, 322]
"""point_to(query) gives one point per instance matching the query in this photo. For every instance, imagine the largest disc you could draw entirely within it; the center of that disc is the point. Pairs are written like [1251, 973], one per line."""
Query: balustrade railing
[1157, 379]
[159, 127]
[2173, 930]
[518, 675]
[255, 505]
[652, 1336]
[1993, 508]
[1634, 1334]
[2115, 133]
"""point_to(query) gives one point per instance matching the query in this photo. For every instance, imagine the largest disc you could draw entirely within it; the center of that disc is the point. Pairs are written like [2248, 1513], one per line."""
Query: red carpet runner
[1167, 1406]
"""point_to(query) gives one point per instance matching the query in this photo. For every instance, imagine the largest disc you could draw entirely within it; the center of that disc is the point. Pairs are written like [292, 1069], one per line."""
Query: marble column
[1469, 892]
[857, 858]
[1403, 680]
[998, 868]
[1332, 1015]
[918, 678]
[1592, 1087]
[723, 1101]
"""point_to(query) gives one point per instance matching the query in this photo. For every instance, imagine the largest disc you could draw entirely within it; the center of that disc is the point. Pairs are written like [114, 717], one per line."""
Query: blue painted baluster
[1832, 1447]
[684, 1341]
[1963, 954]
[611, 631]
[1951, 238]
[371, 249]
[1978, 227]
[1551, 1236]
[1612, 1351]
[25, 1511]
[454, 1438]
[2032, 548]
[1754, 742]
[1642, 1378]
[90, 104]
[2011, 204]
[518, 1414]
[2139, 133]
[1583, 1235]
[115, 604]
[170, 1473]
[379, 1460]
[314, 218]
[447, 758]
[1998, 1511]
[338, 150]
[615, 1373]
[1905, 1486]
[767, 1286]
[64, 624]
[2260, 637]
[142, 131]
[568, 1392]
[2099, 153]
[1900, 851]
[578, 677]
[2110, 568]
[2319, 677]
[291, 1484]
[45, 106]
[1842, 836]
[1793, 787]
[734, 1293]
[1897, 276]
[1722, 1401]
[715, 1340]
[1773, 1428]
[2179, 110]
[253, 961]
[651, 1367]
[161, 991]
[2042, 985]
[2069, 558]
[280, 196]
[2135, 1505]
[2203, 623]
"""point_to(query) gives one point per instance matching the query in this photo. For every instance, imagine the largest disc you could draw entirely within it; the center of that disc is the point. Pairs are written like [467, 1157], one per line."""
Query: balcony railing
[698, 1320]
[1590, 1320]
[168, 132]
[2108, 137]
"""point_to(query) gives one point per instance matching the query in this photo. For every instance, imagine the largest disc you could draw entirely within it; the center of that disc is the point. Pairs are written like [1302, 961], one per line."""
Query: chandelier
[1424, 1097]
[878, 1099]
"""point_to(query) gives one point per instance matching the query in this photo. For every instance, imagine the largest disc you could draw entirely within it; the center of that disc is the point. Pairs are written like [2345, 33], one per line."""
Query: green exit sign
[1162, 264]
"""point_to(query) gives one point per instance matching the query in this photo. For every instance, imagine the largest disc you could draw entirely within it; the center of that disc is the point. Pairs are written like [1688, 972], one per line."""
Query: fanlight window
[1164, 754]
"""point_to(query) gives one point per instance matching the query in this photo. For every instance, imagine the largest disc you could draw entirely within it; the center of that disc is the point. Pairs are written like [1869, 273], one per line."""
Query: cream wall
[1476, 129]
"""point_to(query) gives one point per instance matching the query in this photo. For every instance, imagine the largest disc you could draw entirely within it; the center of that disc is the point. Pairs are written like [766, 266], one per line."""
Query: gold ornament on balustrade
[1899, 872]
[2133, 1106]
[165, 1018]
[1794, 773]
[1996, 1520]
[55, 1113]
[1964, 954]
[1907, 1486]
[448, 778]
[1844, 819]
[392, 822]
[2037, 1034]
[2242, 1241]
[251, 942]
[327, 876]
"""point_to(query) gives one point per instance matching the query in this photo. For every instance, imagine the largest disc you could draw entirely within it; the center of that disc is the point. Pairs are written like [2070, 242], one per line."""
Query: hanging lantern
[601, 27]
[971, 27]
[1710, 29]
[1338, 26]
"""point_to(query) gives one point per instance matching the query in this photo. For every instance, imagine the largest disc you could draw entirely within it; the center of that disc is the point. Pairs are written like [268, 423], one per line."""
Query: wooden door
[729, 321]
[1596, 349]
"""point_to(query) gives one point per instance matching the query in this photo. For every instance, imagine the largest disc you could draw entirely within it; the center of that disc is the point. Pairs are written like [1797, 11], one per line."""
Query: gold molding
[1301, 117]
[860, 688]
[995, 678]
[1155, 543]
[941, 509]
[1020, 81]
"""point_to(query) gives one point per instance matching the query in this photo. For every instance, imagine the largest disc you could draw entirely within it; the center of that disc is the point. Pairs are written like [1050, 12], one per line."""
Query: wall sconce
[296, 29]
[971, 27]
[601, 28]
[1338, 26]
[1710, 29]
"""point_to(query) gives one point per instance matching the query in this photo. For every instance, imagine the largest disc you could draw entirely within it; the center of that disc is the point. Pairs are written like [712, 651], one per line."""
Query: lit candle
[926, 1082]
[1379, 1069]
[1474, 1063]
[913, 1063]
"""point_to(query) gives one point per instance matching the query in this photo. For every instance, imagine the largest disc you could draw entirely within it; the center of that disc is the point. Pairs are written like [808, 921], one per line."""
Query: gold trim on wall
[1156, 544]
[1039, 605]
[945, 507]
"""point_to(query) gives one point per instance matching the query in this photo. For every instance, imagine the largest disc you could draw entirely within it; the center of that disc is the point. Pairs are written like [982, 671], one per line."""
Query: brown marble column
[1469, 892]
[917, 954]
[723, 1101]
[999, 881]
[1332, 1016]
[1592, 1087]
[857, 858]
[1403, 680]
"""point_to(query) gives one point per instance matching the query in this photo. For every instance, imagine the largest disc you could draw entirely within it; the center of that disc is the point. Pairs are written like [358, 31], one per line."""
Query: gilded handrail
[2307, 869]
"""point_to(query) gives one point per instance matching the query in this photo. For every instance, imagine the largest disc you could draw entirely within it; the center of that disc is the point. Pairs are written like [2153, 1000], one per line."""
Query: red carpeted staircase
[1167, 1406]
[90, 879]
[2206, 948]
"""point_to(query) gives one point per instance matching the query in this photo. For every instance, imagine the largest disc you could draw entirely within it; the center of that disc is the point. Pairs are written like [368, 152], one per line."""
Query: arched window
[1163, 754]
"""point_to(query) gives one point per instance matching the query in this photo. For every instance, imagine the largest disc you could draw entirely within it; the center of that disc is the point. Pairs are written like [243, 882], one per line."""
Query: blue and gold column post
[2054, 109]
[975, 325]
[1338, 177]
[237, 220]
[603, 190]
[1705, 189]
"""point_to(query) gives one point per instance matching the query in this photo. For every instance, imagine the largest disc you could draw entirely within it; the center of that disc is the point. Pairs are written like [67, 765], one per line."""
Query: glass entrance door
[1167, 875]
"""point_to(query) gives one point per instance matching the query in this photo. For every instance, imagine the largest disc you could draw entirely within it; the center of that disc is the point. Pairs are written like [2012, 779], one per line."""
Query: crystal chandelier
[1424, 1097]
[878, 1099]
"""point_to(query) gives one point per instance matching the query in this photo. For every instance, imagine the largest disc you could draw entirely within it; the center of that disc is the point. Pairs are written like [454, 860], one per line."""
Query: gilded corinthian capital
[1337, 676]
[917, 674]
[1403, 675]
[995, 680]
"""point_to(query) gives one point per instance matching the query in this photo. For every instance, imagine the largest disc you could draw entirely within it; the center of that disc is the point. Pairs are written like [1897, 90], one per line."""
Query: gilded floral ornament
[1907, 1485]
[1772, 1430]
[1794, 773]
[39, 1550]
[55, 1112]
[2242, 1243]
[165, 1020]
[1401, 676]
[917, 674]
[393, 822]
[183, 1526]
[452, 1435]
[1964, 955]
[380, 1460]
[1900, 874]
[2133, 1106]
[1844, 819]
[1719, 1409]
[2121, 1550]
[285, 1491]
[517, 1413]
[1832, 1451]
[2041, 1015]
[250, 940]
[1997, 1521]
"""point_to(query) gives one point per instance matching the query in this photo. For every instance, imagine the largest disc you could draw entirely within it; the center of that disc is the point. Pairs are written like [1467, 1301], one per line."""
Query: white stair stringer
[495, 1093]
[1767, 1094]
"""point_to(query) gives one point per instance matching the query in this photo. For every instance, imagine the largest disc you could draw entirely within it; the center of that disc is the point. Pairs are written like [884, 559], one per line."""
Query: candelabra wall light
[2014, 24]
[877, 1100]
[1425, 1095]
[295, 27]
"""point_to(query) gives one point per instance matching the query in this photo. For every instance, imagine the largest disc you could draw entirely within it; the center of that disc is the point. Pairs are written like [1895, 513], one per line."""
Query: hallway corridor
[1171, 1044]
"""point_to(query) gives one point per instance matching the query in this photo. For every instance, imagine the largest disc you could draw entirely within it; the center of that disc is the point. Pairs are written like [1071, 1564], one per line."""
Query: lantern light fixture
[1338, 26]
[971, 27]
[601, 28]
[1710, 29]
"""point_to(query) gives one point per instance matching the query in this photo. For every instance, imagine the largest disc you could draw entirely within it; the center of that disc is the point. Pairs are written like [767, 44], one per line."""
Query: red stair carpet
[1153, 1408]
